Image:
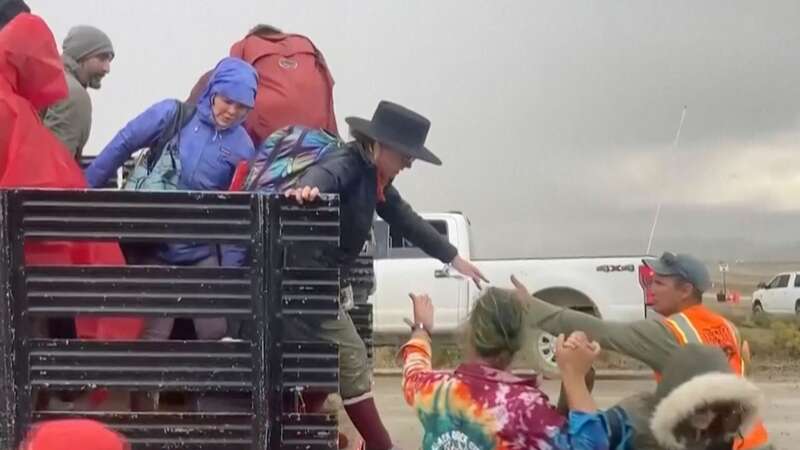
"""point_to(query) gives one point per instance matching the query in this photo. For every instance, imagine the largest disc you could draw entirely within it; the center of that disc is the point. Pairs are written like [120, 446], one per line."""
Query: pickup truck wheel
[544, 353]
[757, 308]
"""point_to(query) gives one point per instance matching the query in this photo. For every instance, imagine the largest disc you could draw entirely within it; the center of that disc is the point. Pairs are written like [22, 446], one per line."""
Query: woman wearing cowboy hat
[362, 174]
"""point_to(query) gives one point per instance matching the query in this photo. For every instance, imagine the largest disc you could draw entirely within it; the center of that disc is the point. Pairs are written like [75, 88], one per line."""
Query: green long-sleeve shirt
[645, 340]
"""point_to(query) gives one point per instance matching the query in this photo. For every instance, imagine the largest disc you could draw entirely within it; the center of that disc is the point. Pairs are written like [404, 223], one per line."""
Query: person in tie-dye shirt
[482, 406]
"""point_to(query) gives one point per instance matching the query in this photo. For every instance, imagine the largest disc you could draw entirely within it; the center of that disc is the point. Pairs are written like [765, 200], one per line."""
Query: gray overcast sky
[554, 119]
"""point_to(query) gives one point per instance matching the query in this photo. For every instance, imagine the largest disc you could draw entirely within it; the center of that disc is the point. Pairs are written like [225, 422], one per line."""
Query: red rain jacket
[31, 79]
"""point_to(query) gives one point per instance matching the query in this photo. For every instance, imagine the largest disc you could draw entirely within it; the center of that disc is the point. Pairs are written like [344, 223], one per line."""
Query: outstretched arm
[648, 341]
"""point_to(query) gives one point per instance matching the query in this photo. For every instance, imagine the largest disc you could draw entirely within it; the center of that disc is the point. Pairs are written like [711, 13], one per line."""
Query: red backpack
[294, 86]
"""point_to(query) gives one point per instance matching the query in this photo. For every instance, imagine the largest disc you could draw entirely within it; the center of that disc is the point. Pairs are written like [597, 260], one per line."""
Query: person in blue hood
[211, 144]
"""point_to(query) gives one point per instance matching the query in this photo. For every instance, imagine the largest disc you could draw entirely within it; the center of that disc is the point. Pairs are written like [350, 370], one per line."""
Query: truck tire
[544, 354]
[757, 308]
[544, 344]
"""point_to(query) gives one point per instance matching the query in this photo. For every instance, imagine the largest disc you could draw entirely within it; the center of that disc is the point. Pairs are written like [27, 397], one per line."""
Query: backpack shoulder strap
[276, 149]
[182, 115]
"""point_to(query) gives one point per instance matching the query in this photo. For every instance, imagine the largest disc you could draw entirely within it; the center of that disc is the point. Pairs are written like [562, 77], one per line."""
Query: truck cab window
[381, 231]
[781, 282]
[392, 244]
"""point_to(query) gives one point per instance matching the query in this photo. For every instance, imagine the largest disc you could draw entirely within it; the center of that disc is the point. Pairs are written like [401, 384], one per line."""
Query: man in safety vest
[677, 289]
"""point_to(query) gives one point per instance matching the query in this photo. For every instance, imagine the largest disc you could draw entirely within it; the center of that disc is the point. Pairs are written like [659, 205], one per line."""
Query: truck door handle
[444, 272]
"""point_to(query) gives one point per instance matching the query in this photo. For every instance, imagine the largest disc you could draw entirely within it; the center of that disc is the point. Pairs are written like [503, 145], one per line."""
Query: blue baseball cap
[681, 265]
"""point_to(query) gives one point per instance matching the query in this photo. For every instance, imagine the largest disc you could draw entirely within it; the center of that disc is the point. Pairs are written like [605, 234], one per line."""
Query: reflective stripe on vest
[685, 330]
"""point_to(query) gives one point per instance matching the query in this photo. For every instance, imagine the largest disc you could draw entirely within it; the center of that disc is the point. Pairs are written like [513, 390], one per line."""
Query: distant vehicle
[779, 296]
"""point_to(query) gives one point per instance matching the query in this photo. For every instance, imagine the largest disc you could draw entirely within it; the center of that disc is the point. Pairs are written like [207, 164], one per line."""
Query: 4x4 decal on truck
[618, 268]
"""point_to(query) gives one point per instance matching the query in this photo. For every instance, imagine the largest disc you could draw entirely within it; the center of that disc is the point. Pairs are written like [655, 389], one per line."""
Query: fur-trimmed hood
[697, 376]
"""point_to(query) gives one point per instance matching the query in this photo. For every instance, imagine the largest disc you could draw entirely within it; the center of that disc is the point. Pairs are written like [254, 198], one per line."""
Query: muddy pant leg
[355, 369]
[355, 374]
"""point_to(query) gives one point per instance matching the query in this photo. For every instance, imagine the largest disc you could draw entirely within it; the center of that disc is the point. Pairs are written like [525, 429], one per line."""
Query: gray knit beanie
[84, 41]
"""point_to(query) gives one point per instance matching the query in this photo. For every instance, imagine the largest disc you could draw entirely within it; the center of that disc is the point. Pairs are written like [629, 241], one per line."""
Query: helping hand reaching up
[468, 269]
[423, 310]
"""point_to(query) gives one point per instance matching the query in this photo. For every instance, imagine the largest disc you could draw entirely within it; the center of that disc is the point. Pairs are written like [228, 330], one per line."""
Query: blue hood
[232, 78]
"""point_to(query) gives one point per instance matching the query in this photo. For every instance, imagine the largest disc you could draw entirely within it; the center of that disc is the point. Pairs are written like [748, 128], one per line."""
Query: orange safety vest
[698, 324]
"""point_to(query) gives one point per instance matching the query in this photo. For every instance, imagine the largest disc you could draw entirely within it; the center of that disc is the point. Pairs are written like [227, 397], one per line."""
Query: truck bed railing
[279, 284]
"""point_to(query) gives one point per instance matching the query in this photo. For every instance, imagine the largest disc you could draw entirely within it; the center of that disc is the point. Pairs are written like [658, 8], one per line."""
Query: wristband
[417, 326]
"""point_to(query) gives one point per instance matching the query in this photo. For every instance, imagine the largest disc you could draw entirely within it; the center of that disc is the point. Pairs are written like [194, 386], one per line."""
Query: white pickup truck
[611, 287]
[779, 296]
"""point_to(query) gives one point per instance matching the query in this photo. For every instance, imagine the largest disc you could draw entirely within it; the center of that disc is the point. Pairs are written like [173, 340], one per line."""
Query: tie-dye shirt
[481, 408]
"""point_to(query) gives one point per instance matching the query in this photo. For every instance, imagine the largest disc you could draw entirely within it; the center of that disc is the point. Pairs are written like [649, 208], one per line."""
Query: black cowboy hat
[398, 127]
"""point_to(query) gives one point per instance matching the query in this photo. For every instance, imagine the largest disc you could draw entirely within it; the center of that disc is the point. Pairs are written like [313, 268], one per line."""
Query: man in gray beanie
[87, 55]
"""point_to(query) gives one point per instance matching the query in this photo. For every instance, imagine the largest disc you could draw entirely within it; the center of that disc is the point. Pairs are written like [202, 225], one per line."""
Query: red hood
[70, 434]
[31, 156]
[29, 62]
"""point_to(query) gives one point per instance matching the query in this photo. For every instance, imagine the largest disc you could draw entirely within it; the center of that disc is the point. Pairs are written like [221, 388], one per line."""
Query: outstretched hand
[468, 269]
[423, 310]
[521, 292]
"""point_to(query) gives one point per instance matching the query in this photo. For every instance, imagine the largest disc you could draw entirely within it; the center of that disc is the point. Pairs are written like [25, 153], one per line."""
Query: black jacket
[349, 173]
